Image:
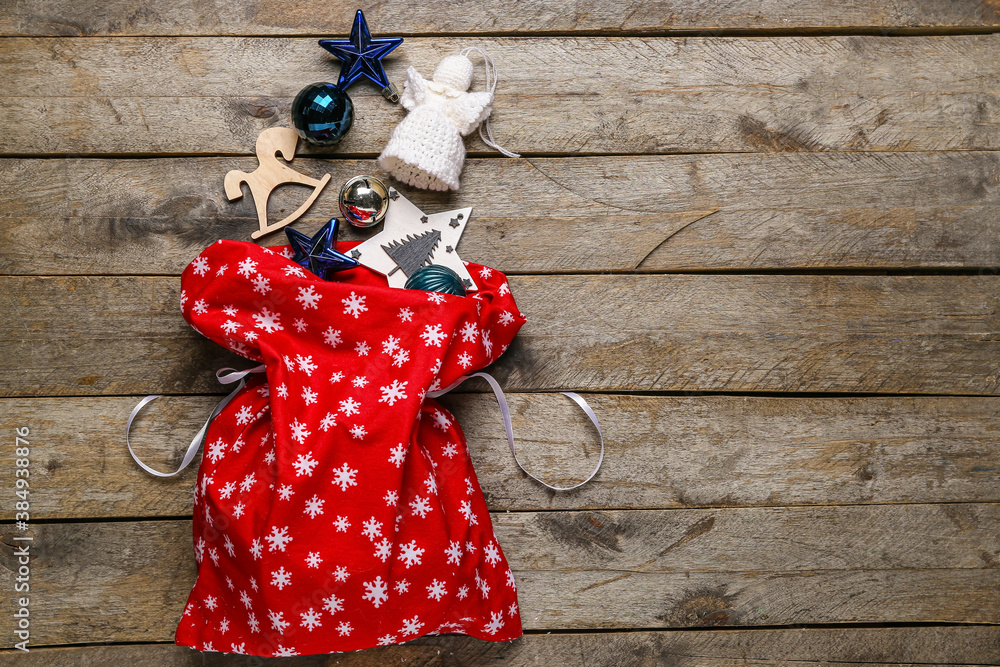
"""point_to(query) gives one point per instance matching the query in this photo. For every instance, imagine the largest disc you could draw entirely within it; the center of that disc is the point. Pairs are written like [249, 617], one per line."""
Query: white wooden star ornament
[412, 239]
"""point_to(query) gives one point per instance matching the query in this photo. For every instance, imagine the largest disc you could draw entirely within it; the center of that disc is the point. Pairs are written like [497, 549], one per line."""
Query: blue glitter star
[361, 55]
[317, 253]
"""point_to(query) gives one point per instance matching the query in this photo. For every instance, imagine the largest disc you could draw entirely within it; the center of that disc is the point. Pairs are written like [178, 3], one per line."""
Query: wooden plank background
[762, 237]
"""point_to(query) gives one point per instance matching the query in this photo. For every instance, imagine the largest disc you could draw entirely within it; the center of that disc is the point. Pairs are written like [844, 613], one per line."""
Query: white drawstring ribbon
[485, 130]
[231, 375]
[508, 427]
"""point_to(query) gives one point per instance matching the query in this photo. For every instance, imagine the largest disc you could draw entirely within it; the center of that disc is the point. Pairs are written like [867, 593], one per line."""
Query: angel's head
[454, 72]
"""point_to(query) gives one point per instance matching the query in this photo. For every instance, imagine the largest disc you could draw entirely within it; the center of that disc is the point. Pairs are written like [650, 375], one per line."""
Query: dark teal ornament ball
[436, 278]
[322, 114]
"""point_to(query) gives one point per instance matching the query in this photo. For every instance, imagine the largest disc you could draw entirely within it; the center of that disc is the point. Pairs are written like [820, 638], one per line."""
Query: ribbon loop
[224, 376]
[508, 427]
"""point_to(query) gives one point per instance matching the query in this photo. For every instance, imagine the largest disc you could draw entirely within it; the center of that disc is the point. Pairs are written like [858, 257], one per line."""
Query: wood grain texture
[622, 214]
[662, 452]
[679, 648]
[557, 95]
[871, 334]
[312, 17]
[590, 570]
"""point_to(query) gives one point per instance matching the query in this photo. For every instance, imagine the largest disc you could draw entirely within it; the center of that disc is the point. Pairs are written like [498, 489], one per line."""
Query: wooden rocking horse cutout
[270, 174]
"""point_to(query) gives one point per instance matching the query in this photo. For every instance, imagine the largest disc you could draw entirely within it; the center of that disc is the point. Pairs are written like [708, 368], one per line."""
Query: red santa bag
[336, 506]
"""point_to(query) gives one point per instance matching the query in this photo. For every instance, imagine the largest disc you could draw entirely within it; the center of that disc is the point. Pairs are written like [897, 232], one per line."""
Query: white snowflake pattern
[510, 579]
[344, 477]
[310, 620]
[340, 574]
[285, 491]
[410, 553]
[491, 554]
[390, 345]
[454, 553]
[230, 327]
[402, 586]
[305, 363]
[431, 484]
[449, 450]
[270, 457]
[433, 335]
[239, 441]
[420, 506]
[277, 621]
[400, 358]
[214, 555]
[349, 406]
[230, 311]
[278, 539]
[332, 337]
[345, 629]
[308, 297]
[503, 290]
[200, 307]
[391, 498]
[496, 622]
[385, 640]
[282, 390]
[281, 578]
[333, 604]
[360, 381]
[397, 455]
[411, 626]
[253, 623]
[328, 421]
[377, 591]
[383, 549]
[216, 451]
[393, 392]
[469, 332]
[256, 549]
[342, 524]
[238, 510]
[245, 599]
[247, 267]
[304, 464]
[300, 325]
[314, 507]
[436, 590]
[465, 360]
[268, 321]
[441, 420]
[506, 318]
[470, 548]
[230, 549]
[405, 314]
[294, 271]
[309, 396]
[299, 432]
[487, 344]
[435, 297]
[372, 529]
[358, 431]
[248, 482]
[362, 349]
[200, 266]
[313, 559]
[210, 603]
[468, 486]
[337, 377]
[463, 592]
[466, 509]
[283, 652]
[354, 305]
[261, 285]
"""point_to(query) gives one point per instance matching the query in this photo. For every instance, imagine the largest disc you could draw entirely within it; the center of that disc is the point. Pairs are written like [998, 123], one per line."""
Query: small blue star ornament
[317, 253]
[361, 55]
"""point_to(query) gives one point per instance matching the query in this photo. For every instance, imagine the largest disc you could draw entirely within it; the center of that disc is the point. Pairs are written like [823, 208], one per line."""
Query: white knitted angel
[426, 148]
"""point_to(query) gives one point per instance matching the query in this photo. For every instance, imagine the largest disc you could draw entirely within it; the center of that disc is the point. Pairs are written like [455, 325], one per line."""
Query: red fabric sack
[336, 506]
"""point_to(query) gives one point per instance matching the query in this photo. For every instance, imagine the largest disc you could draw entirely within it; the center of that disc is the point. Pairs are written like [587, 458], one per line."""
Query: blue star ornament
[361, 55]
[317, 253]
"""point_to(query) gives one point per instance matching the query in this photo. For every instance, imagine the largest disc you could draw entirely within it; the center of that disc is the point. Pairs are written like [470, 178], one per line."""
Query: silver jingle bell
[364, 201]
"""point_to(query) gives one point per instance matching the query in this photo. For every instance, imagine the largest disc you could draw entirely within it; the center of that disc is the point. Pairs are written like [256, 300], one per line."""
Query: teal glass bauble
[436, 278]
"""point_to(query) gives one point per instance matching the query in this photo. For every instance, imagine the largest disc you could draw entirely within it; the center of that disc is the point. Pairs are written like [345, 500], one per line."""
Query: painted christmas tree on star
[412, 252]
